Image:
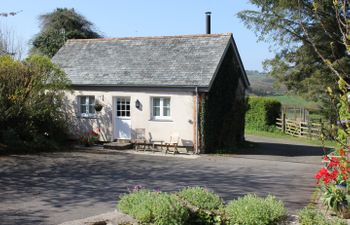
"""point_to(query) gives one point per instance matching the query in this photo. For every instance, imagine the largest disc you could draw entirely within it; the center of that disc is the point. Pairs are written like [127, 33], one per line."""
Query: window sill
[87, 117]
[161, 120]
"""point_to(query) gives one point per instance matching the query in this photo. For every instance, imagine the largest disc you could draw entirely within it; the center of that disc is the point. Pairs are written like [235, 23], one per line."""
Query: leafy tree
[311, 54]
[58, 26]
[31, 96]
[324, 28]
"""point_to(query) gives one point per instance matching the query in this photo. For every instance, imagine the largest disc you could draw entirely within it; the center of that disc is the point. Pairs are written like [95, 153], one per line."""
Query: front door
[122, 127]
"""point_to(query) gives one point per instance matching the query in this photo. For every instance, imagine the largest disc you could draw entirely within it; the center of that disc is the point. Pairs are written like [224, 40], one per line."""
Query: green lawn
[288, 100]
[280, 135]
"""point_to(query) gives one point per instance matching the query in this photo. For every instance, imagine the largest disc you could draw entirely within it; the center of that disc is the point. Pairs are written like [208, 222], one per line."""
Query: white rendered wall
[181, 112]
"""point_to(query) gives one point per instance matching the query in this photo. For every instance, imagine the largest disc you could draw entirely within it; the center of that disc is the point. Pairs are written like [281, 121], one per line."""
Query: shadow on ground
[279, 149]
[57, 187]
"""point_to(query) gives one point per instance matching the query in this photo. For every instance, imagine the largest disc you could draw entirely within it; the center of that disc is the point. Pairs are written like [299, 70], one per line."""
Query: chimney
[208, 26]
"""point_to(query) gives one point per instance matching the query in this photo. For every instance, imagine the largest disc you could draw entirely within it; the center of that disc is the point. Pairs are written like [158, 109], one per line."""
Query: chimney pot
[208, 25]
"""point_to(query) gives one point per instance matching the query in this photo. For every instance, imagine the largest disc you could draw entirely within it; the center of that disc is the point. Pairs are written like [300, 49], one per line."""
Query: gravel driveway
[53, 188]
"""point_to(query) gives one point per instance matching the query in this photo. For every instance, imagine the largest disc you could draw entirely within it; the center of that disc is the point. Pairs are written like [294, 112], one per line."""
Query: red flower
[321, 173]
[326, 180]
[342, 152]
[334, 162]
[334, 174]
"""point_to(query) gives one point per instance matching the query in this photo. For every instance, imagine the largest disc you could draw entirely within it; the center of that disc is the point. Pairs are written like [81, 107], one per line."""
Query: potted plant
[98, 106]
[333, 180]
[89, 138]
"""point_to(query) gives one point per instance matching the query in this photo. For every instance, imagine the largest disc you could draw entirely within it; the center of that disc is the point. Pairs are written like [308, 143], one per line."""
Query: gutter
[189, 87]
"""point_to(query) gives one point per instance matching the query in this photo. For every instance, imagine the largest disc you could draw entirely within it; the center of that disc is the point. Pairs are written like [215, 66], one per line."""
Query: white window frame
[87, 104]
[161, 111]
[121, 110]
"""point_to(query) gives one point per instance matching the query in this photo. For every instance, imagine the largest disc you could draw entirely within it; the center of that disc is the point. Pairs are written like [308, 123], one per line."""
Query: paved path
[276, 149]
[56, 187]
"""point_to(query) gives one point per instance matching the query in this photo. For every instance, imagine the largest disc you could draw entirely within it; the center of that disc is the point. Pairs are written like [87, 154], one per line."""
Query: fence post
[283, 123]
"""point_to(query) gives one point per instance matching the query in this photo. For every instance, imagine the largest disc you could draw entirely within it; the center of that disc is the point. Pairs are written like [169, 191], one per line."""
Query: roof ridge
[152, 37]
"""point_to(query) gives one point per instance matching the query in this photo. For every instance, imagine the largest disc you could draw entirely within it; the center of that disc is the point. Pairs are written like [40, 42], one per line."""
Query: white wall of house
[181, 119]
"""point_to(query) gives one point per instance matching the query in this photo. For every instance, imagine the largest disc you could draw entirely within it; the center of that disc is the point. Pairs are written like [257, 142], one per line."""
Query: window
[123, 107]
[87, 106]
[160, 108]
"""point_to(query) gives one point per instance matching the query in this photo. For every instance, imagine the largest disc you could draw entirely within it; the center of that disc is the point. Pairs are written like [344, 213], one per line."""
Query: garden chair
[173, 143]
[140, 139]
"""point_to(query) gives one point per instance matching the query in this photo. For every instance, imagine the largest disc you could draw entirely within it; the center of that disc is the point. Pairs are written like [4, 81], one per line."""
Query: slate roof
[179, 61]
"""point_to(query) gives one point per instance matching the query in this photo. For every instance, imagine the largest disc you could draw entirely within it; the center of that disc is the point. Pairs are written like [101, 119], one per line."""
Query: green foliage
[294, 26]
[343, 111]
[89, 138]
[31, 95]
[58, 26]
[262, 113]
[201, 198]
[153, 207]
[48, 42]
[199, 206]
[311, 216]
[208, 204]
[225, 107]
[252, 210]
[201, 117]
[333, 197]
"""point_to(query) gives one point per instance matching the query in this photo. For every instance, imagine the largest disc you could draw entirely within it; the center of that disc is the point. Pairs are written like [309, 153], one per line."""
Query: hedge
[262, 113]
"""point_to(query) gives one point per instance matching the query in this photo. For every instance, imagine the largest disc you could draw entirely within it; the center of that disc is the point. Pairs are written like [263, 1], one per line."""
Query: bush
[208, 204]
[310, 216]
[199, 206]
[262, 113]
[31, 96]
[252, 210]
[201, 198]
[153, 207]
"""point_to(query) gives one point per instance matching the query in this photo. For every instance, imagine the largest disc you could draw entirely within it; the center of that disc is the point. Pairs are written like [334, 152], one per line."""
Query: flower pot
[98, 107]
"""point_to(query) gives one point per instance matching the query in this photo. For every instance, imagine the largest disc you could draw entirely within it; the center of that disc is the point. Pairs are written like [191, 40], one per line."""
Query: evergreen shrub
[311, 216]
[31, 101]
[252, 210]
[150, 207]
[208, 205]
[262, 113]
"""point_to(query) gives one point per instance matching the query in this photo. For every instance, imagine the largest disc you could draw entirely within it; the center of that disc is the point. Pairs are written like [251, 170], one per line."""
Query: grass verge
[280, 135]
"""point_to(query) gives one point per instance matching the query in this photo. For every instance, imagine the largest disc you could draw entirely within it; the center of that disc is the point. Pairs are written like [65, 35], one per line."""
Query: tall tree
[57, 27]
[311, 53]
[10, 44]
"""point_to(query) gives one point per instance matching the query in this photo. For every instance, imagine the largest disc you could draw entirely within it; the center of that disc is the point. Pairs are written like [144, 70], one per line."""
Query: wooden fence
[299, 128]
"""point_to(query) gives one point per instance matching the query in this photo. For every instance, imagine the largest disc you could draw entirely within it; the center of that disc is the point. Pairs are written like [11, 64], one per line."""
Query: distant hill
[261, 84]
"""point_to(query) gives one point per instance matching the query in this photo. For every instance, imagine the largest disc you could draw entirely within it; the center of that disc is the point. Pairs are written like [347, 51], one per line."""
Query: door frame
[115, 129]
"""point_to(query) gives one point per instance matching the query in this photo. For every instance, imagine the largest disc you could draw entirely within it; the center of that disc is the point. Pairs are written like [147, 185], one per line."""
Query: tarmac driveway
[56, 187]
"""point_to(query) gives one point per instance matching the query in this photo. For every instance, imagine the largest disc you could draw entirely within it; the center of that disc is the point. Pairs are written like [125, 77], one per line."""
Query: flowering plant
[89, 138]
[333, 181]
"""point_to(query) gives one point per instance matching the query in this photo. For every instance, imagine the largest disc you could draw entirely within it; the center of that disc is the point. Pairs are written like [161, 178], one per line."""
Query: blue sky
[116, 18]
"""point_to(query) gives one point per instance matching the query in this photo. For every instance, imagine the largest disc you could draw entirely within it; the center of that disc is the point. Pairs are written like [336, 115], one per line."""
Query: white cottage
[193, 85]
